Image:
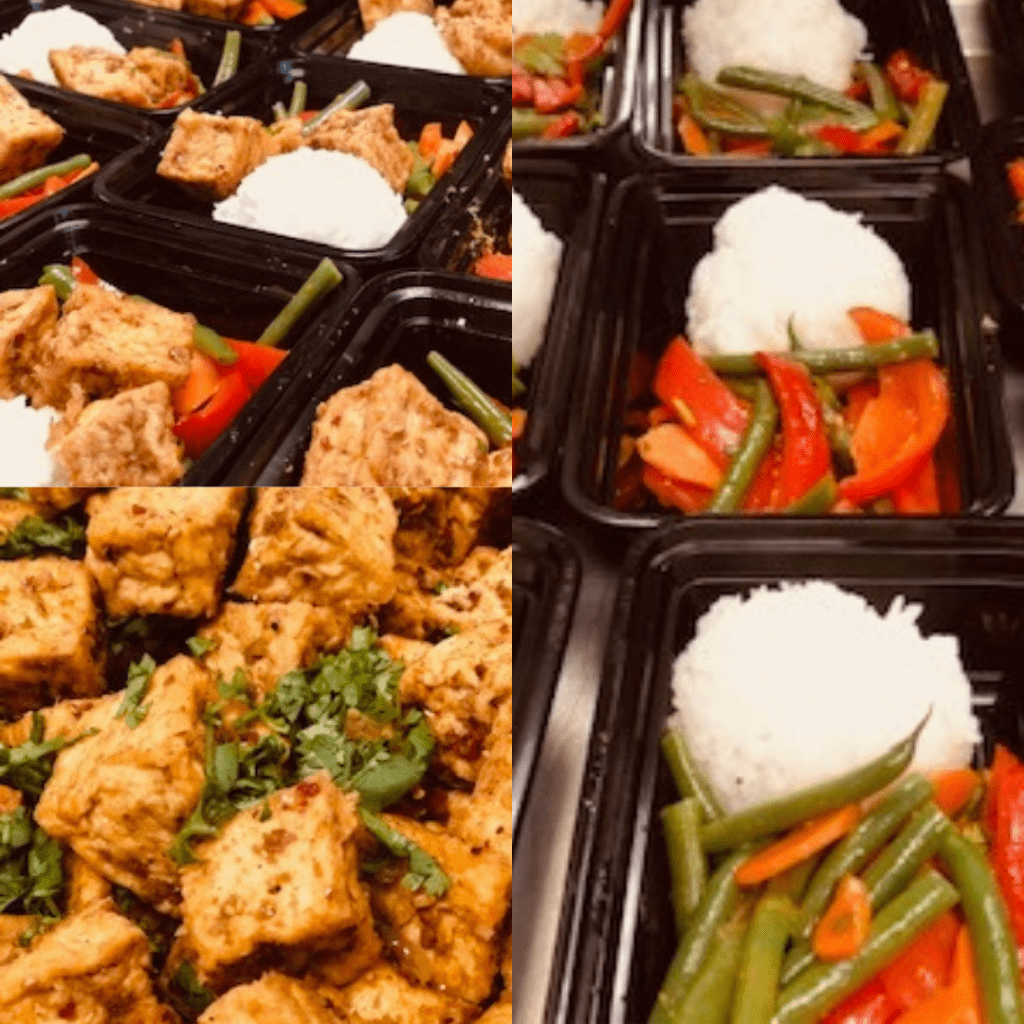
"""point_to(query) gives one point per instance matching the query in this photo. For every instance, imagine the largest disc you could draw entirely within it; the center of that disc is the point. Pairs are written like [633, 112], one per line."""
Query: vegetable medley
[264, 784]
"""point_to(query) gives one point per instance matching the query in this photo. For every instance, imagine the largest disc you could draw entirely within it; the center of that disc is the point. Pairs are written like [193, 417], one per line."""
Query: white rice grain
[407, 40]
[26, 463]
[562, 16]
[536, 258]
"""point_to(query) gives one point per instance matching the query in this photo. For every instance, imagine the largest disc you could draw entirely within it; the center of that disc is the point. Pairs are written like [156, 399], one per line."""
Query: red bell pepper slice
[868, 1005]
[719, 417]
[256, 362]
[496, 265]
[9, 207]
[522, 91]
[678, 494]
[200, 385]
[614, 17]
[1003, 763]
[918, 495]
[877, 327]
[552, 95]
[202, 427]
[1007, 852]
[806, 456]
[565, 127]
[82, 272]
[907, 78]
[958, 1002]
[759, 496]
[846, 140]
[924, 966]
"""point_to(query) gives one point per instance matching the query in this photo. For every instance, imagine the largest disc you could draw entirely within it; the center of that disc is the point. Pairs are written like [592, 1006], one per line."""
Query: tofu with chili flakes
[287, 884]
[440, 526]
[124, 441]
[27, 319]
[119, 798]
[209, 155]
[330, 547]
[91, 968]
[383, 996]
[275, 997]
[49, 634]
[67, 720]
[144, 78]
[479, 35]
[162, 550]
[371, 134]
[447, 943]
[27, 135]
[373, 12]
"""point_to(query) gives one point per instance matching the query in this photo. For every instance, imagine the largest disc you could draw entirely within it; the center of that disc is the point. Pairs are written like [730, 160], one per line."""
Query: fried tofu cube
[162, 550]
[27, 135]
[124, 441]
[86, 889]
[222, 10]
[49, 634]
[370, 134]
[383, 996]
[120, 797]
[498, 469]
[330, 547]
[164, 75]
[479, 36]
[27, 319]
[67, 719]
[275, 997]
[448, 943]
[373, 12]
[94, 71]
[91, 968]
[499, 1013]
[209, 155]
[287, 880]
[390, 430]
[440, 526]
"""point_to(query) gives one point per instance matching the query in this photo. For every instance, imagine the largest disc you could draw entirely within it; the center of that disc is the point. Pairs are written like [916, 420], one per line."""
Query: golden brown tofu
[12, 928]
[119, 798]
[164, 74]
[162, 550]
[462, 683]
[209, 155]
[497, 470]
[371, 135]
[92, 968]
[86, 889]
[383, 996]
[391, 431]
[328, 547]
[68, 720]
[479, 36]
[274, 997]
[49, 634]
[59, 498]
[284, 137]
[373, 12]
[222, 10]
[124, 441]
[438, 527]
[27, 319]
[107, 343]
[448, 943]
[97, 72]
[290, 881]
[27, 135]
[499, 1013]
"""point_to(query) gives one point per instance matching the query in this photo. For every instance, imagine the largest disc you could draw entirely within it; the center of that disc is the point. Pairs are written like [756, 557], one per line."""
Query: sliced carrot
[199, 387]
[255, 14]
[670, 449]
[445, 156]
[284, 9]
[844, 927]
[882, 137]
[495, 265]
[695, 142]
[954, 788]
[1015, 172]
[430, 139]
[876, 327]
[803, 842]
[463, 134]
[679, 494]
[919, 493]
[749, 147]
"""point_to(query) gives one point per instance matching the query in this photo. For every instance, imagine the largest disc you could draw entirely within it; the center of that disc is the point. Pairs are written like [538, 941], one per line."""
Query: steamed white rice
[28, 46]
[320, 196]
[562, 16]
[791, 686]
[407, 40]
[26, 462]
[816, 38]
[536, 258]
[778, 255]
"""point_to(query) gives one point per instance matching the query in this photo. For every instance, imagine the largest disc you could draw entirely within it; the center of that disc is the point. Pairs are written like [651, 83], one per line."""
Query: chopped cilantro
[131, 709]
[424, 872]
[28, 767]
[31, 872]
[189, 996]
[158, 928]
[14, 493]
[35, 535]
[200, 645]
[40, 926]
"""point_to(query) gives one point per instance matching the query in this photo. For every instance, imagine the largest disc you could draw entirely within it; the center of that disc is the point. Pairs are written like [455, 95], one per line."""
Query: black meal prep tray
[569, 202]
[144, 26]
[657, 231]
[396, 318]
[89, 127]
[1007, 20]
[617, 933]
[237, 290]
[545, 581]
[923, 27]
[133, 184]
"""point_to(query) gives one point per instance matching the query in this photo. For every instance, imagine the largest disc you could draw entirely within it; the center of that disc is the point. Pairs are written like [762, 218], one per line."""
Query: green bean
[876, 829]
[793, 883]
[300, 93]
[758, 981]
[818, 500]
[61, 277]
[687, 864]
[823, 986]
[688, 777]
[757, 439]
[995, 951]
[210, 343]
[864, 357]
[528, 124]
[324, 279]
[902, 858]
[229, 58]
[785, 812]
[351, 99]
[925, 119]
[477, 404]
[721, 898]
[280, 112]
[744, 387]
[719, 110]
[798, 959]
[883, 99]
[33, 179]
[800, 88]
[840, 437]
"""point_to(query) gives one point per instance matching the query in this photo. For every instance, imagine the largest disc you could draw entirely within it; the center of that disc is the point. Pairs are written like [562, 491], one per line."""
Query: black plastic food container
[102, 132]
[133, 183]
[235, 290]
[618, 933]
[569, 202]
[142, 26]
[1008, 38]
[545, 582]
[923, 27]
[654, 239]
[398, 318]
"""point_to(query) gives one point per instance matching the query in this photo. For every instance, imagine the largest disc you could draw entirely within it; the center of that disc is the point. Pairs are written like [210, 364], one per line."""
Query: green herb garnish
[131, 709]
[35, 535]
[200, 645]
[424, 872]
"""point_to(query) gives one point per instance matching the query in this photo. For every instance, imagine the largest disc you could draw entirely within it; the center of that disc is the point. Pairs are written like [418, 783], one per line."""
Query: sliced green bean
[918, 136]
[864, 357]
[757, 983]
[883, 98]
[793, 883]
[995, 951]
[528, 124]
[898, 863]
[823, 986]
[300, 94]
[687, 864]
[688, 777]
[324, 279]
[785, 812]
[351, 99]
[799, 958]
[744, 387]
[61, 277]
[280, 111]
[229, 58]
[818, 500]
[477, 404]
[719, 110]
[210, 343]
[840, 437]
[33, 179]
[754, 445]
